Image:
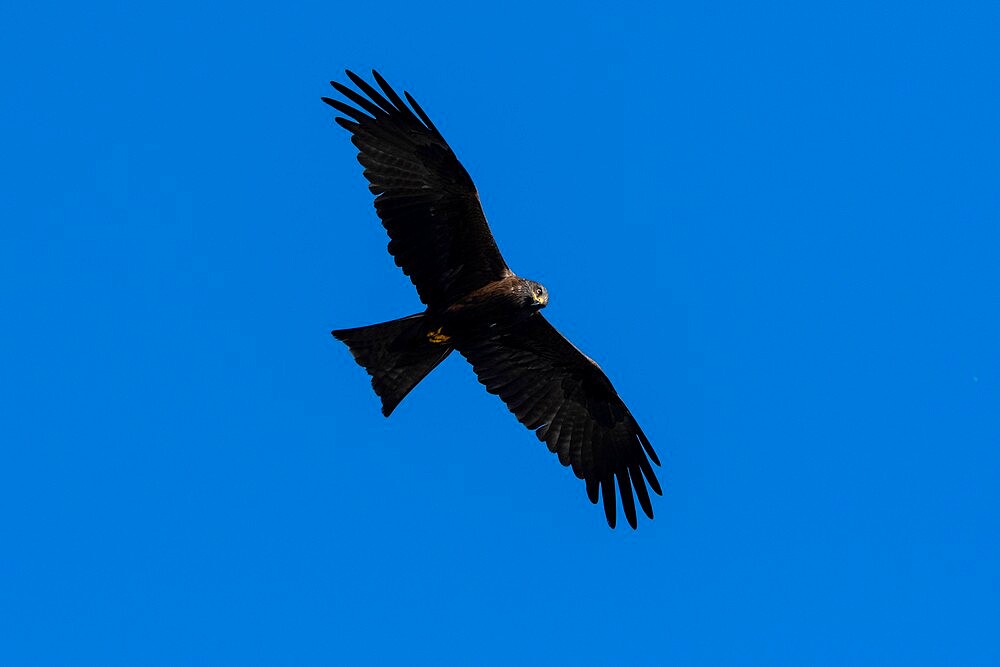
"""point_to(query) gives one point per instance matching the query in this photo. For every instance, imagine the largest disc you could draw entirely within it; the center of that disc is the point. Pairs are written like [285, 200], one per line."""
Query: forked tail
[397, 354]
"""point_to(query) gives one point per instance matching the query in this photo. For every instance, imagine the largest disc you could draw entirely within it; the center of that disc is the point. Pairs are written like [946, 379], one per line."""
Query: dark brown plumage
[439, 236]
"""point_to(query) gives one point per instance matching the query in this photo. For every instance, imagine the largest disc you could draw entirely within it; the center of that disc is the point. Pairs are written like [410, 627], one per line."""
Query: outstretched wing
[425, 198]
[561, 394]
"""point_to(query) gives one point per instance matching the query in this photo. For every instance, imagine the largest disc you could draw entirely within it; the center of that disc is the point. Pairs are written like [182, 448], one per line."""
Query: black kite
[476, 305]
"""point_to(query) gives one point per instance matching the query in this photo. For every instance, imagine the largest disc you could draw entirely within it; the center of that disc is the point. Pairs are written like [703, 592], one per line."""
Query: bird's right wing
[426, 199]
[561, 394]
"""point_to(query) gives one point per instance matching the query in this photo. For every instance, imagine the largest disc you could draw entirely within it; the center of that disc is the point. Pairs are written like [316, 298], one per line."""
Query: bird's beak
[541, 299]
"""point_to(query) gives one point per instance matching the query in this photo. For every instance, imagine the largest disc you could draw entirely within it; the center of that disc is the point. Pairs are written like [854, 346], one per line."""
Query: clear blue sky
[777, 228]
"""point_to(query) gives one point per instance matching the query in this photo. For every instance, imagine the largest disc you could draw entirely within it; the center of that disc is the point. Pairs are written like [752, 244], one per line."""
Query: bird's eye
[538, 291]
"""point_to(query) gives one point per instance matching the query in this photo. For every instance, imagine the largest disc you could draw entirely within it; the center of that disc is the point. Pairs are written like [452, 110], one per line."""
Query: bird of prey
[475, 304]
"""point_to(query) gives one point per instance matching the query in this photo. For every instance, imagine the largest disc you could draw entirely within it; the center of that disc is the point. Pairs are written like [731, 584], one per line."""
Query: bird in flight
[476, 305]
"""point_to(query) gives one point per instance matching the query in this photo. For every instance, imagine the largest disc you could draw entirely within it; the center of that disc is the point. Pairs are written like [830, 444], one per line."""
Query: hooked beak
[541, 299]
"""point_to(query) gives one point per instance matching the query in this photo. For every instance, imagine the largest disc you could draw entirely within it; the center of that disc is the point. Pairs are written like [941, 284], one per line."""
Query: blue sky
[776, 228]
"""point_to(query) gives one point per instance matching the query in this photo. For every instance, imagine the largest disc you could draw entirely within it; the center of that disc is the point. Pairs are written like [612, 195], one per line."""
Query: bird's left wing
[426, 199]
[561, 394]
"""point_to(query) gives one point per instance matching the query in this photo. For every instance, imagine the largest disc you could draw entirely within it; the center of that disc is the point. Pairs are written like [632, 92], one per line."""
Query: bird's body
[491, 309]
[476, 305]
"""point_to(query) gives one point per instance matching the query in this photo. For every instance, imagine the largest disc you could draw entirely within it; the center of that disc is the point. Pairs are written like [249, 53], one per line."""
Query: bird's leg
[437, 336]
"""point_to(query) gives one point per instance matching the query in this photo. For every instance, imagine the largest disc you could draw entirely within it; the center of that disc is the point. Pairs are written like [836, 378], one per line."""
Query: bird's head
[537, 293]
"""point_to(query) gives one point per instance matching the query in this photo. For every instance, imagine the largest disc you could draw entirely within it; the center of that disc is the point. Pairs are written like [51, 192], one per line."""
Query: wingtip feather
[628, 501]
[645, 442]
[640, 489]
[608, 493]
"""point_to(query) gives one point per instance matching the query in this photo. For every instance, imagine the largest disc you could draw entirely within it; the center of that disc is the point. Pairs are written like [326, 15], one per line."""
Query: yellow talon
[437, 336]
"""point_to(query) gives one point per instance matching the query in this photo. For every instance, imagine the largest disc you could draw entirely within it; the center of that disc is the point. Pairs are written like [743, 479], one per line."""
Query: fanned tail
[397, 354]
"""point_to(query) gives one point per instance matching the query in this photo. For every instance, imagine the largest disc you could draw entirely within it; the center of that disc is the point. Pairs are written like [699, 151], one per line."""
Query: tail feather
[396, 354]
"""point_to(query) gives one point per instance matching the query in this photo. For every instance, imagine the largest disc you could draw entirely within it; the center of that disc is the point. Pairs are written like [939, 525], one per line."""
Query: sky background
[776, 228]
